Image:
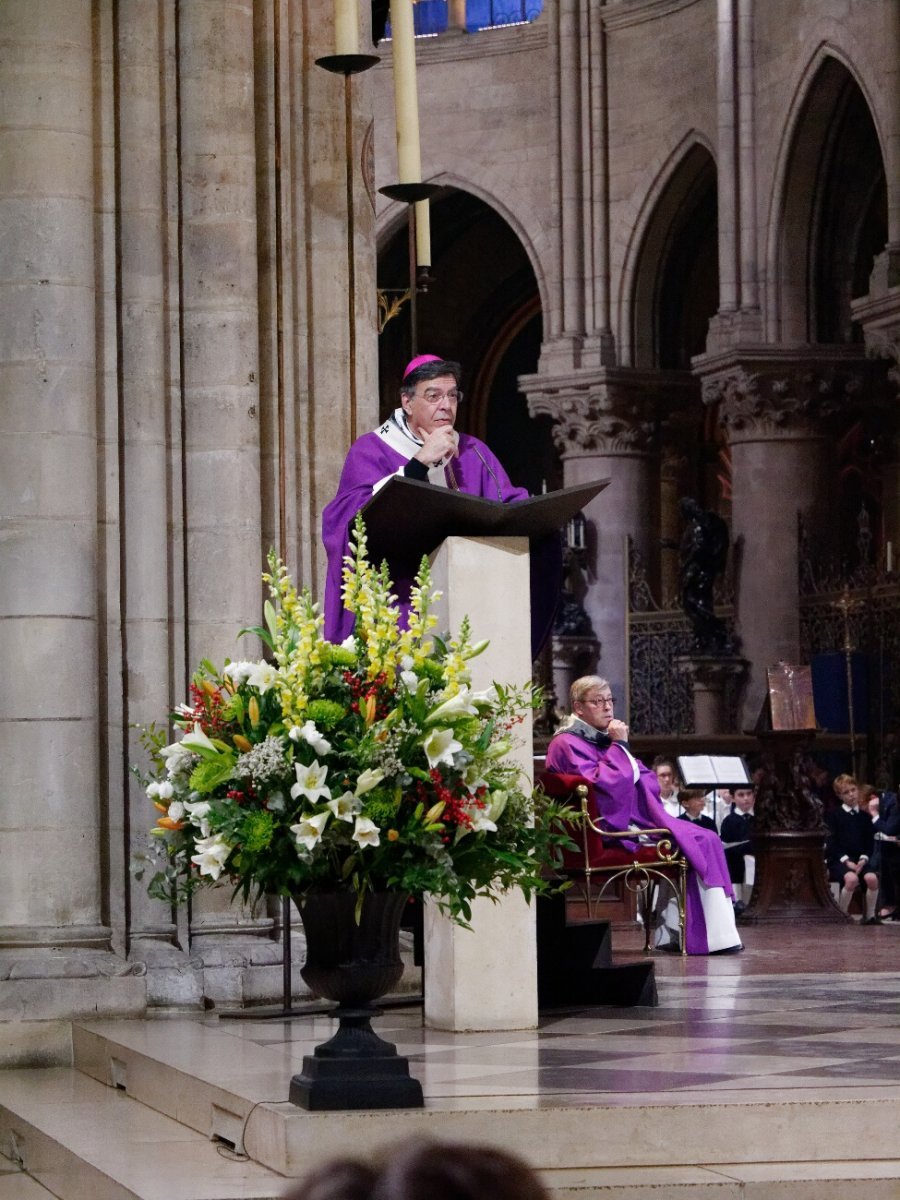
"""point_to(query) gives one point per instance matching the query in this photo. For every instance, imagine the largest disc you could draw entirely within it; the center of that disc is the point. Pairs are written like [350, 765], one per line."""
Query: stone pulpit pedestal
[484, 977]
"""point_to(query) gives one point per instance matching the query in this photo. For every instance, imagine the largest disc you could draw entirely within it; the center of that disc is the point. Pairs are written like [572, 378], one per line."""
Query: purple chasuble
[370, 460]
[620, 802]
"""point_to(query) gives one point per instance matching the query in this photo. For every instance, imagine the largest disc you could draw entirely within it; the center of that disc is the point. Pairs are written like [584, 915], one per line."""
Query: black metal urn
[353, 962]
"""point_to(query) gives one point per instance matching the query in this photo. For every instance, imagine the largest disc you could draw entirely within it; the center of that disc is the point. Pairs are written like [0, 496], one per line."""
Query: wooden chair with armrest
[639, 859]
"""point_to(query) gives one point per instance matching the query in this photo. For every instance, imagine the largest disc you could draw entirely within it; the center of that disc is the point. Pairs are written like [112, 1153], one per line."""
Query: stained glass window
[431, 16]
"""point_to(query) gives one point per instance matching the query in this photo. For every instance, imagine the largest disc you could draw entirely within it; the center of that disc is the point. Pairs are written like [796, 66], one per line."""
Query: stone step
[16, 1185]
[730, 1181]
[79, 1140]
[230, 1088]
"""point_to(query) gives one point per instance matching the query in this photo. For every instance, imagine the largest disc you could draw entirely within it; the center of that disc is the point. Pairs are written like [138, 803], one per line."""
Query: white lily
[211, 856]
[178, 759]
[311, 781]
[367, 780]
[482, 822]
[309, 733]
[308, 831]
[349, 643]
[498, 804]
[344, 807]
[410, 680]
[176, 810]
[366, 832]
[198, 812]
[239, 672]
[197, 740]
[440, 746]
[454, 706]
[472, 779]
[263, 676]
[160, 790]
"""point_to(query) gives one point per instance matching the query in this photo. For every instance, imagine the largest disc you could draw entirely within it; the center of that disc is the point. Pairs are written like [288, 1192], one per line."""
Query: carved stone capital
[879, 316]
[612, 411]
[772, 397]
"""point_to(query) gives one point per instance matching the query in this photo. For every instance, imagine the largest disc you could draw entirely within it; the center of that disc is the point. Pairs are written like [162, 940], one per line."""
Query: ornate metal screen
[660, 699]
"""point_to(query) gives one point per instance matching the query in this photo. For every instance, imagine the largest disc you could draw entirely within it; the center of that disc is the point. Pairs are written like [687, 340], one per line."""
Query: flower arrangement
[364, 766]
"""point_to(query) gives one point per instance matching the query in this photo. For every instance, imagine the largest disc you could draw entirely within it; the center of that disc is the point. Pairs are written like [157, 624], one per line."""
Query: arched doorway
[482, 310]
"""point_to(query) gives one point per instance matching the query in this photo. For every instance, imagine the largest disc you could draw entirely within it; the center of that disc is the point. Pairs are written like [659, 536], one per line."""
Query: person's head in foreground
[425, 1171]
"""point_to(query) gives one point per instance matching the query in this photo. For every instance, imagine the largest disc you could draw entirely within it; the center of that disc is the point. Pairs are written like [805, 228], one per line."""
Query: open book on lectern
[416, 517]
[713, 770]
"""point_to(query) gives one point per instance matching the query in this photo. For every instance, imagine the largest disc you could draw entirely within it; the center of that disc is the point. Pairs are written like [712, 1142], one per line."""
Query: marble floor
[769, 1075]
[818, 1008]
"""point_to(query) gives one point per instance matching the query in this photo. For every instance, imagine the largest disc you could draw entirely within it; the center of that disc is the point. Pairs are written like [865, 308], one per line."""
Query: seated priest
[594, 744]
[420, 441]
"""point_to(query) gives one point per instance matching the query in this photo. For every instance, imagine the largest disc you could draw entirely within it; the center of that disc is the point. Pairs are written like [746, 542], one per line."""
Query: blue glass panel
[430, 16]
[487, 14]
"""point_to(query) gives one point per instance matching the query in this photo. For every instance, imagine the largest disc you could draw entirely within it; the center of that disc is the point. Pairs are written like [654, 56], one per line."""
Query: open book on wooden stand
[713, 771]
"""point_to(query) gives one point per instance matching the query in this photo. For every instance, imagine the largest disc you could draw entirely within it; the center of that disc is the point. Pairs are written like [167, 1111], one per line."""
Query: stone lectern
[483, 978]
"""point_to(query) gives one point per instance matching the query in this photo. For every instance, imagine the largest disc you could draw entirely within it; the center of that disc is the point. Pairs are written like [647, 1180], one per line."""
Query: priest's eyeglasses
[600, 701]
[433, 395]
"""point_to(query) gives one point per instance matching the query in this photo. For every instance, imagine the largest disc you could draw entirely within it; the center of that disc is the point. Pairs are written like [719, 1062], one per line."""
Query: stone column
[711, 682]
[606, 428]
[54, 923]
[879, 315]
[48, 477]
[220, 365]
[577, 332]
[738, 320]
[149, 568]
[774, 406]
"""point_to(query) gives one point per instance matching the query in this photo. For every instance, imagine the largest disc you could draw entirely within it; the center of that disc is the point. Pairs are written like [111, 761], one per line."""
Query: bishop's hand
[439, 446]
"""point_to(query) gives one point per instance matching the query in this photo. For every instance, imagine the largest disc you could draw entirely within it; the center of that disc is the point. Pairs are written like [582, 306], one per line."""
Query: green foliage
[362, 766]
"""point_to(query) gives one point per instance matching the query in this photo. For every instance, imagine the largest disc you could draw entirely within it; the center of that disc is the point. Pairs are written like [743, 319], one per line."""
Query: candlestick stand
[349, 65]
[410, 194]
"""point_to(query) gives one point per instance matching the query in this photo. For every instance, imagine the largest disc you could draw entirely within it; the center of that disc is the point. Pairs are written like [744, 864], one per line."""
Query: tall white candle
[346, 27]
[406, 101]
[889, 557]
[423, 234]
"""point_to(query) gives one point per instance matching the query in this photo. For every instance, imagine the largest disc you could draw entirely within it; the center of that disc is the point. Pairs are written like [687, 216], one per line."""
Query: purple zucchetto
[419, 361]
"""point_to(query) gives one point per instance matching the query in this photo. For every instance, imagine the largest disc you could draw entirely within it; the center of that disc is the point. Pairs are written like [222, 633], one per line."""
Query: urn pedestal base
[353, 957]
[355, 1069]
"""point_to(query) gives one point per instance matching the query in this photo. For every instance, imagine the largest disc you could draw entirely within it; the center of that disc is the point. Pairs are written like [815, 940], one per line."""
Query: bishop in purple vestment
[593, 744]
[419, 440]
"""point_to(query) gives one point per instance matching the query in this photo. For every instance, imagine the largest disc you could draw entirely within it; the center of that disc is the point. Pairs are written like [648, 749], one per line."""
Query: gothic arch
[393, 218]
[681, 182]
[484, 308]
[827, 88]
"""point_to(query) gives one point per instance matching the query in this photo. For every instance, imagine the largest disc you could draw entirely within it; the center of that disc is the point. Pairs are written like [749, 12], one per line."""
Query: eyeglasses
[600, 701]
[432, 395]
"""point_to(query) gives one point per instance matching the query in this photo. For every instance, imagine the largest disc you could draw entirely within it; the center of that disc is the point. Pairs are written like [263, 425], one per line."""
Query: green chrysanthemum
[257, 829]
[327, 714]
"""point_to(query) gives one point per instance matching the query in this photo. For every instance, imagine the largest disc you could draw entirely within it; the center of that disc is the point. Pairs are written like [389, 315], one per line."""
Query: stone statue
[702, 555]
